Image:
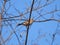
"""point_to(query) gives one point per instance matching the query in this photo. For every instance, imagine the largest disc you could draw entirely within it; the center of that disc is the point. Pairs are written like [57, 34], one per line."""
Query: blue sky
[39, 32]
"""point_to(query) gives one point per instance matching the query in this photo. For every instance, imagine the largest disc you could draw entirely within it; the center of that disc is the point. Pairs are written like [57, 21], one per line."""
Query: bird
[26, 23]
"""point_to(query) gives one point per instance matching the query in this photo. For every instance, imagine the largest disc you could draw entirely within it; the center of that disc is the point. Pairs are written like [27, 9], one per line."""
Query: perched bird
[26, 23]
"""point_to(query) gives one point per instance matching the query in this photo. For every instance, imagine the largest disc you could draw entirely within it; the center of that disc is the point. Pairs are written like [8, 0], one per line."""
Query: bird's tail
[19, 24]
